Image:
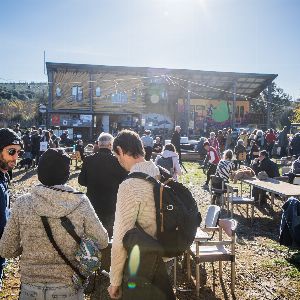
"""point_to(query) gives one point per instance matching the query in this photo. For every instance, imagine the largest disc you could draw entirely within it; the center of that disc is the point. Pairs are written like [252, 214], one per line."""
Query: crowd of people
[113, 203]
[110, 207]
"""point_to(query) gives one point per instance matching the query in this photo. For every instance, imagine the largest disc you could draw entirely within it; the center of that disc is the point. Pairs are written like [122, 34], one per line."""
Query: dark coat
[102, 174]
[35, 143]
[268, 166]
[176, 141]
[290, 223]
[295, 144]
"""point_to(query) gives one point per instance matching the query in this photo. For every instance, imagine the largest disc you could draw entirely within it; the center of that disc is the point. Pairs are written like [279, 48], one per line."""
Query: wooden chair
[217, 189]
[212, 251]
[241, 158]
[238, 200]
[203, 234]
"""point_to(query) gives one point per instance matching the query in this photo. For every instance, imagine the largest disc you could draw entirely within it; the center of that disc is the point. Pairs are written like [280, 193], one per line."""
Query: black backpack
[177, 214]
[166, 163]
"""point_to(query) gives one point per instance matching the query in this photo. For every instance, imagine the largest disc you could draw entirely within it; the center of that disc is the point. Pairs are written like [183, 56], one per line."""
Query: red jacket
[216, 157]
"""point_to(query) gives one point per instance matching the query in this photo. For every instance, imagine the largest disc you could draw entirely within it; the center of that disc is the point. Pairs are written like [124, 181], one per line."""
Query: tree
[280, 106]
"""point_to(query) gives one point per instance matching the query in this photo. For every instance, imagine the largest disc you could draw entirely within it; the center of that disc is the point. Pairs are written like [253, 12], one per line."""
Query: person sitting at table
[225, 166]
[263, 163]
[240, 153]
[295, 169]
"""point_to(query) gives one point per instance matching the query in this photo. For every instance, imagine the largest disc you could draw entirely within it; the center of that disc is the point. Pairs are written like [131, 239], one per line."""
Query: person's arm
[127, 208]
[177, 169]
[82, 178]
[93, 227]
[10, 243]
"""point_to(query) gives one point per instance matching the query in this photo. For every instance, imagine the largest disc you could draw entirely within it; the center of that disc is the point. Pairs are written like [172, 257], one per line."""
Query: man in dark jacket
[295, 144]
[101, 173]
[176, 141]
[263, 163]
[10, 146]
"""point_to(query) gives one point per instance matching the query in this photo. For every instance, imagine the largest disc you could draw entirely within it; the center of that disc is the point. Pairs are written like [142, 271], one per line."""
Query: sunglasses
[13, 151]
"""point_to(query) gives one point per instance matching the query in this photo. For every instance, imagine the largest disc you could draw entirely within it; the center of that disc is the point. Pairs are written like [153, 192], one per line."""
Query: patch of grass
[293, 273]
[277, 246]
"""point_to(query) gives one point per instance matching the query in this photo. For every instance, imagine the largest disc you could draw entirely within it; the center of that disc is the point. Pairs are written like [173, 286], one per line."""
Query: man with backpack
[138, 212]
[135, 202]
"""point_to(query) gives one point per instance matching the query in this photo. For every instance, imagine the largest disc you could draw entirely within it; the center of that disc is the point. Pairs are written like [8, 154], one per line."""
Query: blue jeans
[47, 291]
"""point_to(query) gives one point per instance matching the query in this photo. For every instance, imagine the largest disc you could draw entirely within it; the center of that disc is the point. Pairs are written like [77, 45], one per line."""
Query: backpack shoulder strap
[142, 175]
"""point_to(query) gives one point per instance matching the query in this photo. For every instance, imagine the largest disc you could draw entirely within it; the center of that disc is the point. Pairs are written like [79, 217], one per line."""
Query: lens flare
[134, 260]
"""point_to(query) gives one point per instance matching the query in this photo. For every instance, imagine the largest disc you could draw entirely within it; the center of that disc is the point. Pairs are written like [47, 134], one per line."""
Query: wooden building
[88, 99]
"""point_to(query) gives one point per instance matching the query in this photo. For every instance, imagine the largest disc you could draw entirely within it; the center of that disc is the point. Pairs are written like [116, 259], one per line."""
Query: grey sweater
[24, 233]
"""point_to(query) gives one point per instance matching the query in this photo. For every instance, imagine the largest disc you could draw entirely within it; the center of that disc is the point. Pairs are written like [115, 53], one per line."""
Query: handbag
[87, 256]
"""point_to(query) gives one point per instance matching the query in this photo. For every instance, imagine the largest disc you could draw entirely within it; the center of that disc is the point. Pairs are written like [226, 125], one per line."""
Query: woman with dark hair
[169, 160]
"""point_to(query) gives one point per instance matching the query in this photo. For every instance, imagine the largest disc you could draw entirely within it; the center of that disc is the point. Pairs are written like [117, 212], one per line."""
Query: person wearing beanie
[10, 146]
[43, 271]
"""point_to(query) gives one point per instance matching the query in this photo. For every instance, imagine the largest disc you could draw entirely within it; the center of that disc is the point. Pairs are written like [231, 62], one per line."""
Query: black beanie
[9, 137]
[54, 167]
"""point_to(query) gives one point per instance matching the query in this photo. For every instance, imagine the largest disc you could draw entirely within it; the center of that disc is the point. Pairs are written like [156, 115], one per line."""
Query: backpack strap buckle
[170, 207]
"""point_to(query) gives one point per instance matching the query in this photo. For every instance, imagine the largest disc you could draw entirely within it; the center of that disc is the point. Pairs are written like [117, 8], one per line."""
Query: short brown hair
[130, 143]
[170, 147]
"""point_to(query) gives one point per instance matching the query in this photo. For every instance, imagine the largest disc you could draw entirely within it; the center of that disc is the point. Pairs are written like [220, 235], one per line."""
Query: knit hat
[54, 167]
[9, 137]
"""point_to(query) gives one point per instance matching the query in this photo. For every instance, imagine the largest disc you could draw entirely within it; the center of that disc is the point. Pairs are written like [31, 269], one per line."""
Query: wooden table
[274, 186]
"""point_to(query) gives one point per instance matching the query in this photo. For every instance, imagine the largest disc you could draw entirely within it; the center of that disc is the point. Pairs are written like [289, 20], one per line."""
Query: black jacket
[268, 166]
[290, 223]
[295, 144]
[102, 174]
[176, 141]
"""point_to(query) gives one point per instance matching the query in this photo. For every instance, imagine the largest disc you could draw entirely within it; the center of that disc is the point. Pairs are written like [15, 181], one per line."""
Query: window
[98, 92]
[119, 98]
[77, 93]
[242, 112]
[237, 111]
[58, 92]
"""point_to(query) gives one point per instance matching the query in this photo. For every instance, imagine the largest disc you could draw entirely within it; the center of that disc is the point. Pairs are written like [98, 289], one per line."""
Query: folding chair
[241, 158]
[210, 223]
[217, 189]
[238, 200]
[221, 250]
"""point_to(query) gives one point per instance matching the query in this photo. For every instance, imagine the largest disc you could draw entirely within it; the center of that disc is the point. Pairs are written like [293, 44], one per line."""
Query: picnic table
[274, 186]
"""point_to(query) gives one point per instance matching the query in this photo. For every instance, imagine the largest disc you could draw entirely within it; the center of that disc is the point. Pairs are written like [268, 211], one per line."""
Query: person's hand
[114, 292]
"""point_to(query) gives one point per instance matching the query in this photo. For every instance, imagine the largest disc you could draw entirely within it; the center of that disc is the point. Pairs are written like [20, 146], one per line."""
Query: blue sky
[259, 36]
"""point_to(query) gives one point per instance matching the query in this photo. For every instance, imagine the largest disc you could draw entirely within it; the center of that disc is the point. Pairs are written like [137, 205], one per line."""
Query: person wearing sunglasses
[10, 146]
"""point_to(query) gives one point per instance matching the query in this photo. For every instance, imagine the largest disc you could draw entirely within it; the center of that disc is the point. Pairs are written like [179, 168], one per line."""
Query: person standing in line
[147, 144]
[135, 204]
[169, 160]
[102, 174]
[175, 140]
[213, 160]
[10, 146]
[213, 141]
[35, 146]
[45, 275]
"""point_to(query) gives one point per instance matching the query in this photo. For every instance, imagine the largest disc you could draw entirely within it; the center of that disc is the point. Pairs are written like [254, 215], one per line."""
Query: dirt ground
[265, 270]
